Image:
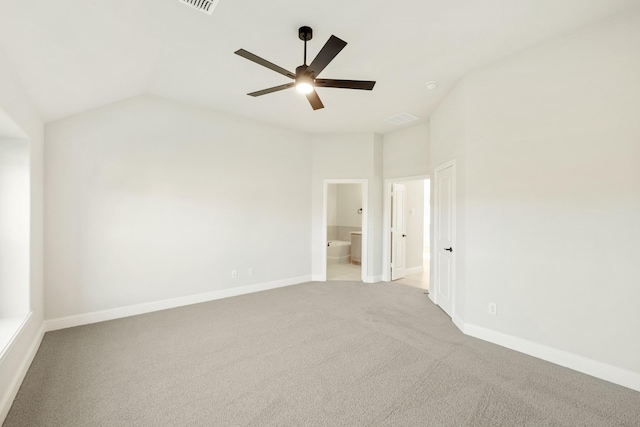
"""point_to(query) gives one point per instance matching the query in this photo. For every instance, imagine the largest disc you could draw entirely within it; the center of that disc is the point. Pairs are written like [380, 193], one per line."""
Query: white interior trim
[15, 324]
[16, 381]
[364, 264]
[386, 223]
[133, 310]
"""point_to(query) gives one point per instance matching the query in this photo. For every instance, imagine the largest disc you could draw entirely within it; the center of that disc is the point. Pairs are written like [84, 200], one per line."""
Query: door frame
[364, 263]
[434, 235]
[386, 221]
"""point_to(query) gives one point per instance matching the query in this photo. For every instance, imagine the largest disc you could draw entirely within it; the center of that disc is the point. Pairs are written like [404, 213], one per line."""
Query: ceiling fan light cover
[304, 84]
[304, 88]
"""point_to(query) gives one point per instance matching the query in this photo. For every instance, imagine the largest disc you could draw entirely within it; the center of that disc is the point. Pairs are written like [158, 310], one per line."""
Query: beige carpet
[317, 354]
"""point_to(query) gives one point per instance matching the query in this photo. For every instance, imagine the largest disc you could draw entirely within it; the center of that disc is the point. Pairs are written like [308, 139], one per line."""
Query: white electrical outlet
[234, 273]
[250, 271]
[493, 308]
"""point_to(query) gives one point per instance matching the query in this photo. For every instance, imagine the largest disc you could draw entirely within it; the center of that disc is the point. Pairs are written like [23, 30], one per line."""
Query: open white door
[444, 210]
[398, 232]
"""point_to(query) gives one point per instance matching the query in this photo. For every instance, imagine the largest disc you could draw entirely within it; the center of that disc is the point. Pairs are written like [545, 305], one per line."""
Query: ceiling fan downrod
[305, 34]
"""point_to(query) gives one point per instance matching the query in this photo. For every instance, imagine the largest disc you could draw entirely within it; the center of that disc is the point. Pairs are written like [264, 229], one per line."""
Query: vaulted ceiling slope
[75, 55]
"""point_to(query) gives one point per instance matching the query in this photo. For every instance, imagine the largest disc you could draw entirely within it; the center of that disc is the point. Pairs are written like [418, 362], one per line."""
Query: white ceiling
[75, 55]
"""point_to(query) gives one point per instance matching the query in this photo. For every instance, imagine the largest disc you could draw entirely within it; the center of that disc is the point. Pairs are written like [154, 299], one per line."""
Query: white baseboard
[319, 278]
[587, 366]
[459, 324]
[16, 382]
[413, 270]
[582, 364]
[133, 310]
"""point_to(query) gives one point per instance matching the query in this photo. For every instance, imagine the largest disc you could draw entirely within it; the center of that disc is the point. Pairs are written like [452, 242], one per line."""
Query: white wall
[332, 205]
[148, 200]
[356, 156]
[14, 361]
[14, 226]
[547, 143]
[343, 202]
[405, 152]
[349, 200]
[415, 222]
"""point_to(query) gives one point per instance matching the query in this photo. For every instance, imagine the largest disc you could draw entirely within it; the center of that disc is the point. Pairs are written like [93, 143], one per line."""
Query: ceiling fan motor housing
[301, 71]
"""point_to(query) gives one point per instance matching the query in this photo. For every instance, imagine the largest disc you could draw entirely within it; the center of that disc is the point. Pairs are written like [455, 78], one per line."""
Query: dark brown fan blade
[314, 100]
[345, 84]
[251, 57]
[331, 48]
[272, 89]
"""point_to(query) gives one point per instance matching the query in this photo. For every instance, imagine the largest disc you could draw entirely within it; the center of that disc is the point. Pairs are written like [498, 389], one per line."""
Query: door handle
[404, 235]
[448, 249]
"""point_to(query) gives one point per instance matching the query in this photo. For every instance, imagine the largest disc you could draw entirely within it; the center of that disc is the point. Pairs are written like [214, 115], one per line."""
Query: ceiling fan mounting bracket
[305, 33]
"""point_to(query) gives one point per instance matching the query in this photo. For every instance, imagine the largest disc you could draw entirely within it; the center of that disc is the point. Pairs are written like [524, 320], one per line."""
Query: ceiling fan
[305, 77]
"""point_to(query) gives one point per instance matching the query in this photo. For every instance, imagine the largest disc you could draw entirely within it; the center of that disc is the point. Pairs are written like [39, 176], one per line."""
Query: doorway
[406, 236]
[345, 228]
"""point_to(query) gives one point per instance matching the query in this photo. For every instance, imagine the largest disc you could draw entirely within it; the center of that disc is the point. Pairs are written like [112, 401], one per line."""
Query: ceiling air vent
[400, 119]
[205, 6]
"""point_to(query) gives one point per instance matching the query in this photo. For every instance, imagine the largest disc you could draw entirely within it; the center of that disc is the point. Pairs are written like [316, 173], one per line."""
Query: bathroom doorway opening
[406, 235]
[345, 227]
